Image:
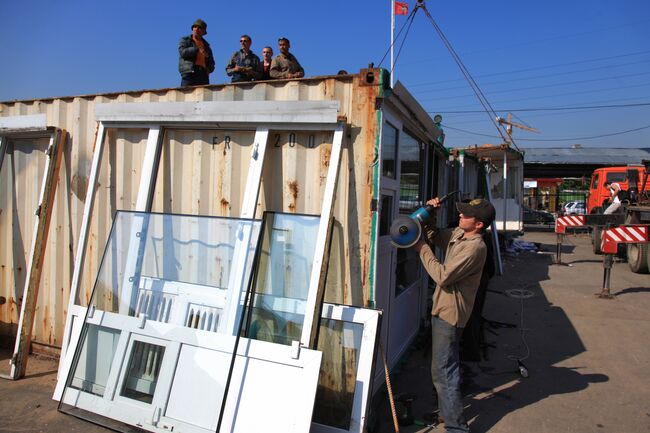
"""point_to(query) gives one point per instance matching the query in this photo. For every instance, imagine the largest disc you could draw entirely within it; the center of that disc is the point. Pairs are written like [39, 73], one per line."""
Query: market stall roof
[578, 162]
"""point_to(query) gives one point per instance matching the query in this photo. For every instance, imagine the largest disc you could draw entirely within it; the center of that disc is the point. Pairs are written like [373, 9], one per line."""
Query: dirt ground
[587, 358]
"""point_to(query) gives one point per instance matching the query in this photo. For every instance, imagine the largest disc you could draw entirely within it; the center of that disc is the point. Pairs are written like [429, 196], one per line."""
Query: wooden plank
[321, 255]
[267, 112]
[37, 255]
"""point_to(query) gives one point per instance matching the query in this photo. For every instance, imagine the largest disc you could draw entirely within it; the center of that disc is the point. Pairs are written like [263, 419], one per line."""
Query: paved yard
[588, 359]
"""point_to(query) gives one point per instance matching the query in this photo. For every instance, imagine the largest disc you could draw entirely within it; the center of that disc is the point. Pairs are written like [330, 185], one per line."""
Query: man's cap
[202, 24]
[478, 208]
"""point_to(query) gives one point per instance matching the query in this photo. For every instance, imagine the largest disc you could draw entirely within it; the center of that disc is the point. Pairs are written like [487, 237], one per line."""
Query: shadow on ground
[522, 324]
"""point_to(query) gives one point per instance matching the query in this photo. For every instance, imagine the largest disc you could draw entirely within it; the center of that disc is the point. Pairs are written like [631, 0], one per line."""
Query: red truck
[635, 181]
[625, 176]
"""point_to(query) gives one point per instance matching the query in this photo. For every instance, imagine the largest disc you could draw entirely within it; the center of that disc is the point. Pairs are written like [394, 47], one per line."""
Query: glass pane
[282, 281]
[410, 174]
[407, 270]
[388, 150]
[95, 361]
[616, 176]
[386, 216]
[143, 370]
[161, 274]
[340, 343]
[118, 184]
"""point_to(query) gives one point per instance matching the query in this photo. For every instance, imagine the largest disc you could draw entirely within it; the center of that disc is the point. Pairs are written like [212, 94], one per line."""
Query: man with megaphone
[457, 280]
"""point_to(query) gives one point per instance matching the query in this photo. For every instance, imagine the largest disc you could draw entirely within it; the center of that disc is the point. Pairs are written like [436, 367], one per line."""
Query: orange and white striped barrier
[568, 221]
[629, 234]
[611, 237]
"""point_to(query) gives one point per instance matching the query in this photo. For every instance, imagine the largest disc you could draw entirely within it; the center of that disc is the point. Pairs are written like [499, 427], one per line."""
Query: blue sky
[524, 55]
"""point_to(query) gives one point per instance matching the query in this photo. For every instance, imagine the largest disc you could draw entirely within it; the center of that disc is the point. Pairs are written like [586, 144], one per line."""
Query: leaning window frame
[33, 126]
[263, 115]
[371, 321]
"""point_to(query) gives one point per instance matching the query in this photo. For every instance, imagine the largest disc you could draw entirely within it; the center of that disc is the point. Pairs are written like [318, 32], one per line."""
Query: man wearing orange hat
[195, 61]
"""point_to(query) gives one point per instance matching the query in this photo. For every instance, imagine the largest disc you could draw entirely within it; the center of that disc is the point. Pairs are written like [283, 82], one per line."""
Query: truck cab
[628, 177]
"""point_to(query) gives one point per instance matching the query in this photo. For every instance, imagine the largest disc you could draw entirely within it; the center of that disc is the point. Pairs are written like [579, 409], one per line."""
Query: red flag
[401, 8]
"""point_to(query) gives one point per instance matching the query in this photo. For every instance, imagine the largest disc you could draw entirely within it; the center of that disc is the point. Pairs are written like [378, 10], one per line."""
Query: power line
[545, 86]
[582, 107]
[536, 68]
[392, 43]
[534, 77]
[470, 80]
[561, 37]
[529, 98]
[552, 139]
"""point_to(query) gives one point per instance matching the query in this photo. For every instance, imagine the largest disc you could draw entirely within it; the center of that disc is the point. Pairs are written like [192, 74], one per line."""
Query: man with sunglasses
[285, 64]
[244, 65]
[457, 280]
[195, 61]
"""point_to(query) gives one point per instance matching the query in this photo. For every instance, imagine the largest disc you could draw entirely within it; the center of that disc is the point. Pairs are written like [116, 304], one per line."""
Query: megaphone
[405, 231]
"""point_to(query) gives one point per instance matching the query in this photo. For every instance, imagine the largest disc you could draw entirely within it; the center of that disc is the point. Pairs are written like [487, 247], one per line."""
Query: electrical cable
[534, 77]
[536, 68]
[509, 91]
[392, 43]
[408, 29]
[555, 139]
[530, 98]
[580, 107]
[475, 88]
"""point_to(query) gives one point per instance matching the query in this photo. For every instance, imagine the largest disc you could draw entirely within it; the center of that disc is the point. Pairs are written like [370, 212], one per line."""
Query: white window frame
[305, 115]
[370, 319]
[264, 115]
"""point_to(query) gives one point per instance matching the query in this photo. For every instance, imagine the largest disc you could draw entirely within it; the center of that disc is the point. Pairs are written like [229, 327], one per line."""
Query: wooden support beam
[321, 255]
[37, 254]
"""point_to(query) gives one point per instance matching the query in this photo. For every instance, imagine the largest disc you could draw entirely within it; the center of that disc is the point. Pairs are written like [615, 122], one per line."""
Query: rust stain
[225, 205]
[327, 153]
[294, 190]
[45, 315]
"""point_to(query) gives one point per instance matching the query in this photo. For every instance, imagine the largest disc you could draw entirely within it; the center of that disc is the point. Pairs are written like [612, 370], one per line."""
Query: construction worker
[285, 64]
[457, 281]
[615, 202]
[195, 61]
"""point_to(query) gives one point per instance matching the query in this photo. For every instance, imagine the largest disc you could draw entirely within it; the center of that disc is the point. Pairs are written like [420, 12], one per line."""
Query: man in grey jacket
[195, 61]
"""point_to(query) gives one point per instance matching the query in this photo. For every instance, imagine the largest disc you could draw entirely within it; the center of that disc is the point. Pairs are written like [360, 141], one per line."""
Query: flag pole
[392, 38]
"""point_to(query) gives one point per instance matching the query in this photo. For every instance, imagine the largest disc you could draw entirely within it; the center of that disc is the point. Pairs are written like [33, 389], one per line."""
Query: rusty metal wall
[20, 183]
[189, 159]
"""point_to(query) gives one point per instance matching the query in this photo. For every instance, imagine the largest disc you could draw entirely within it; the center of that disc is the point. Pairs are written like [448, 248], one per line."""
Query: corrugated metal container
[203, 172]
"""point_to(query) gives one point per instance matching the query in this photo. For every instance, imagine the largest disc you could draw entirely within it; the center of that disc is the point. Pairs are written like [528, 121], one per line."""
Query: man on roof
[244, 65]
[195, 61]
[285, 64]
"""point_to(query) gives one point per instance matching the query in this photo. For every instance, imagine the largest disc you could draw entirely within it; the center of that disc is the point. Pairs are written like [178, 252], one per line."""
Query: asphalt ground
[587, 358]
